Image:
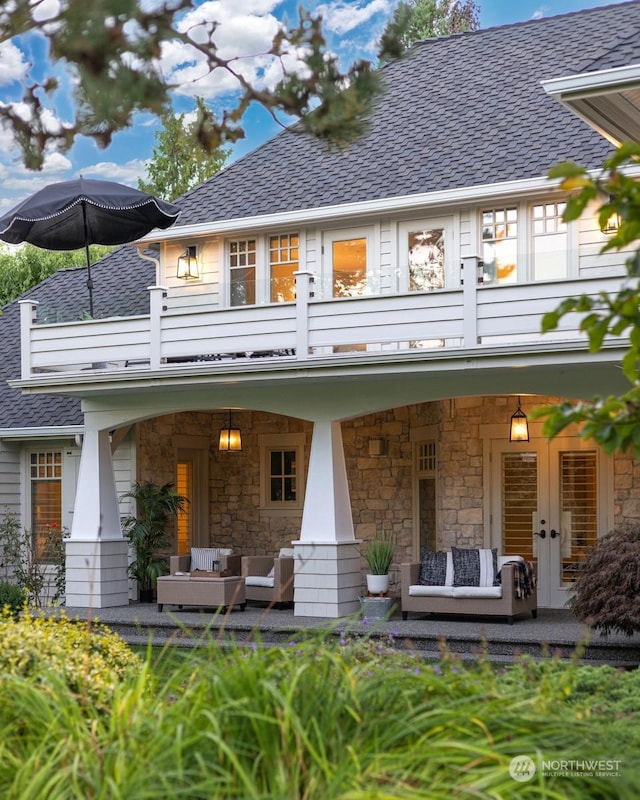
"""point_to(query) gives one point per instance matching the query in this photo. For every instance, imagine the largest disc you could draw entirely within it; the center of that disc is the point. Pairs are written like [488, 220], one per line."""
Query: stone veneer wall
[235, 517]
[381, 487]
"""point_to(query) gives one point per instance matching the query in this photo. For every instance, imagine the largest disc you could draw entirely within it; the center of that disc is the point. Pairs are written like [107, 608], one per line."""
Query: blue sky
[352, 28]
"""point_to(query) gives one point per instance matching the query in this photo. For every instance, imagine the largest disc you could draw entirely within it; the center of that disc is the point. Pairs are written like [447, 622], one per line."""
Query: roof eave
[608, 100]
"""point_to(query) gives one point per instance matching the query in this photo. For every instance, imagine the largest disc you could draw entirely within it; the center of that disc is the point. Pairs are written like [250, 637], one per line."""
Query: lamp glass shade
[188, 264]
[230, 439]
[519, 429]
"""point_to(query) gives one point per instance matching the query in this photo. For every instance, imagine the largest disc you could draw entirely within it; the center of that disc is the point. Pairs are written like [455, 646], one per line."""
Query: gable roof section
[462, 110]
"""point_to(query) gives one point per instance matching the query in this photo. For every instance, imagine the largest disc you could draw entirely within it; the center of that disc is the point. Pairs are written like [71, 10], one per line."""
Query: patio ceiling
[608, 100]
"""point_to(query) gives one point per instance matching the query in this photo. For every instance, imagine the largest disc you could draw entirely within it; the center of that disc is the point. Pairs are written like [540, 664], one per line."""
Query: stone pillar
[96, 551]
[327, 571]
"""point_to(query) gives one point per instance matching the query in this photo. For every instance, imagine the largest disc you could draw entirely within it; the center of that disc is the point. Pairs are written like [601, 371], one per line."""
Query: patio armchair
[269, 579]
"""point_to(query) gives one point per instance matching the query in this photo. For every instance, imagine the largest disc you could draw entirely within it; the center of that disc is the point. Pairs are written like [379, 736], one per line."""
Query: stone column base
[327, 579]
[96, 573]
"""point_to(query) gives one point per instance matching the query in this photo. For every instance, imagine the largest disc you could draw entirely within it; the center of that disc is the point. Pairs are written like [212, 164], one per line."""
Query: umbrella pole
[86, 250]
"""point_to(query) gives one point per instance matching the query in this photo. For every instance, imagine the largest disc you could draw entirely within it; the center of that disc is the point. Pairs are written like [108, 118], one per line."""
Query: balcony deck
[475, 318]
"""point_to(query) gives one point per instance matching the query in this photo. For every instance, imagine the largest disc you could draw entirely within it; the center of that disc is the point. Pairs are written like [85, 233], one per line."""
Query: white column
[96, 551]
[327, 572]
[27, 319]
[470, 300]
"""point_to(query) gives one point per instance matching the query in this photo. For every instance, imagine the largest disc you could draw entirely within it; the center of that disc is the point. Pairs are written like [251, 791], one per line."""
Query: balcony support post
[96, 551]
[470, 300]
[304, 291]
[157, 295]
[27, 319]
[327, 571]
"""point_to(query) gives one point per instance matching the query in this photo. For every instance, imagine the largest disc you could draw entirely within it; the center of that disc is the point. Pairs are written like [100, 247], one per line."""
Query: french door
[549, 504]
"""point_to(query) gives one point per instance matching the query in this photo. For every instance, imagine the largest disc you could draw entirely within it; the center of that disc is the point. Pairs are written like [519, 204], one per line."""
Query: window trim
[372, 271]
[267, 443]
[451, 275]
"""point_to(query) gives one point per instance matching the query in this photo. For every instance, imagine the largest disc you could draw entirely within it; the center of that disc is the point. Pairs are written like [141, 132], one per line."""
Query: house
[368, 318]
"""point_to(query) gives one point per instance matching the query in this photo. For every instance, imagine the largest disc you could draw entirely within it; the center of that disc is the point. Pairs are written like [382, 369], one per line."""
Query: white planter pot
[377, 584]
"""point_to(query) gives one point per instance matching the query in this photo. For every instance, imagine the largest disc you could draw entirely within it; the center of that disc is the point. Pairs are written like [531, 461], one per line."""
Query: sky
[352, 28]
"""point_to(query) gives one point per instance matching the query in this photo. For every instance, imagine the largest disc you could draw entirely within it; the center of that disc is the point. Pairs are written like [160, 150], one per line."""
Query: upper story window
[242, 272]
[426, 259]
[549, 234]
[500, 245]
[349, 261]
[45, 477]
[283, 263]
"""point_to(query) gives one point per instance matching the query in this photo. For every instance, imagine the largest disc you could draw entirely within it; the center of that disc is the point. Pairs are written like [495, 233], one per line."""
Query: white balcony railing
[473, 317]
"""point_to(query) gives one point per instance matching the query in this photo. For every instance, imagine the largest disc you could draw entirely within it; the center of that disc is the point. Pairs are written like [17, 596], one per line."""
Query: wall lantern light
[188, 264]
[614, 221]
[519, 428]
[230, 437]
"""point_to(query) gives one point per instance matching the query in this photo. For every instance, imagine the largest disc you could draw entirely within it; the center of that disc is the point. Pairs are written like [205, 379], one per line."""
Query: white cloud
[13, 67]
[343, 16]
[540, 12]
[127, 173]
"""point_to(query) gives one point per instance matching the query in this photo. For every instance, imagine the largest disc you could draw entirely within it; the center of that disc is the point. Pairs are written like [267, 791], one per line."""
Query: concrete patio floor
[553, 633]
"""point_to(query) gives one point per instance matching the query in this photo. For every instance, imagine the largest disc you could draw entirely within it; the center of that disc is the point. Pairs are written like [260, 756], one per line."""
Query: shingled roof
[462, 110]
[458, 111]
[120, 288]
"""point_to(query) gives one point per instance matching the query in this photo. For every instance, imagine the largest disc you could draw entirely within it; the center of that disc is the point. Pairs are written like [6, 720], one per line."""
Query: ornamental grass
[318, 719]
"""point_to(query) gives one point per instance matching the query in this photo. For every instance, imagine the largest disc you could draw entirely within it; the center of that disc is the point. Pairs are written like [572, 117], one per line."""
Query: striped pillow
[474, 567]
[203, 557]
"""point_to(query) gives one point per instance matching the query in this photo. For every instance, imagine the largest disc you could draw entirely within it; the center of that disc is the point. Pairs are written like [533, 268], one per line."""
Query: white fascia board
[386, 205]
[44, 432]
[589, 83]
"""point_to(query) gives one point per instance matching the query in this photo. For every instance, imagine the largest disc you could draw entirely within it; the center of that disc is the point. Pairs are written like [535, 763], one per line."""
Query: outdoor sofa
[504, 587]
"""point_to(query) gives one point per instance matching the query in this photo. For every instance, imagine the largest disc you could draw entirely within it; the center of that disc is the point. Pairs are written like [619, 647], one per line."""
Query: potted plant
[379, 555]
[147, 531]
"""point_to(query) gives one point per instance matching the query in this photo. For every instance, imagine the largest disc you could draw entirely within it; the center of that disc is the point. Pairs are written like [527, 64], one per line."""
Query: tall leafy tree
[25, 267]
[414, 20]
[111, 52]
[613, 421]
[178, 162]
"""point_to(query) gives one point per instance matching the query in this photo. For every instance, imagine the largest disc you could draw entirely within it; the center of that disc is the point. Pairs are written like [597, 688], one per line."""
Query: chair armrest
[179, 564]
[283, 571]
[256, 565]
[507, 580]
[410, 573]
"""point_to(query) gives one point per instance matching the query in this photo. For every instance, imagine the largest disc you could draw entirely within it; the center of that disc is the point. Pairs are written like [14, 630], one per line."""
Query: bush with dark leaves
[606, 594]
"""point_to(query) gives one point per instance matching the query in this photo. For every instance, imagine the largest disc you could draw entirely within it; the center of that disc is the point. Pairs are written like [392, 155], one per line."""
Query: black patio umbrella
[74, 214]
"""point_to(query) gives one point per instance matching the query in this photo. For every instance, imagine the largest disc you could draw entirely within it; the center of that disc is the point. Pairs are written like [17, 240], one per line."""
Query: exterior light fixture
[519, 429]
[188, 264]
[230, 437]
[613, 223]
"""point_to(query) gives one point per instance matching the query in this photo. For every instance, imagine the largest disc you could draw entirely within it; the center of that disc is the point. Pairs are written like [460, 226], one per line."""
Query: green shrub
[605, 594]
[89, 659]
[12, 598]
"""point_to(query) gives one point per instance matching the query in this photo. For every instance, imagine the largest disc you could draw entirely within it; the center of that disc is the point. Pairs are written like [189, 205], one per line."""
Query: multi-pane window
[426, 260]
[283, 262]
[45, 477]
[283, 476]
[550, 253]
[500, 245]
[242, 272]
